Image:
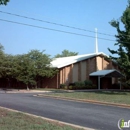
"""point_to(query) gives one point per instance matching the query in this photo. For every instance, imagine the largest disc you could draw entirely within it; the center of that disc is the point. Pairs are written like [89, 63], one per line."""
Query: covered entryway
[104, 77]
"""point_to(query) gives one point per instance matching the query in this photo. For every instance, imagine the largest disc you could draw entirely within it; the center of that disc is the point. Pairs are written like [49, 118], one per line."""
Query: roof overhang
[65, 61]
[107, 73]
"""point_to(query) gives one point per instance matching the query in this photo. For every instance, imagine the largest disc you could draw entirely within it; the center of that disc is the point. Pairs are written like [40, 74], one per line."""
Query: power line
[81, 29]
[30, 25]
[53, 29]
[54, 23]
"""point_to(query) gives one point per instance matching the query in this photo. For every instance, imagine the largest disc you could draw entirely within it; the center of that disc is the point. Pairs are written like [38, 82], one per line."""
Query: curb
[48, 119]
[84, 100]
[30, 91]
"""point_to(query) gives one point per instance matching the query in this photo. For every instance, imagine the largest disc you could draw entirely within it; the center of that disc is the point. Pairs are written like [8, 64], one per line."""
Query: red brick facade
[51, 82]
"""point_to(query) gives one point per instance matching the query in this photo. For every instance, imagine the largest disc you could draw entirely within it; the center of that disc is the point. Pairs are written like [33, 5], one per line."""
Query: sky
[83, 14]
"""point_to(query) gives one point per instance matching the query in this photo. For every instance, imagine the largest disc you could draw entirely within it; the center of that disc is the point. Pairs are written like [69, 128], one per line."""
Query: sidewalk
[60, 90]
[22, 91]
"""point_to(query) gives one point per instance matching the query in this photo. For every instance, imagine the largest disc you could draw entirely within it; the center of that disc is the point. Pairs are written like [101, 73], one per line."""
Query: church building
[96, 67]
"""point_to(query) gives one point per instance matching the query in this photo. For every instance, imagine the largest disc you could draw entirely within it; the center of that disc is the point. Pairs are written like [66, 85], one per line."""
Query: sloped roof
[108, 73]
[64, 61]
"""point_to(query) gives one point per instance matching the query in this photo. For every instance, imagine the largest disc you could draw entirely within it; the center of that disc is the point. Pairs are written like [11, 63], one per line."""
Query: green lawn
[105, 96]
[18, 121]
[44, 89]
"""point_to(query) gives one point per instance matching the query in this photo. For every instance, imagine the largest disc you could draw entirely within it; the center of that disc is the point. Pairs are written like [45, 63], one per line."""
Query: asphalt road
[84, 114]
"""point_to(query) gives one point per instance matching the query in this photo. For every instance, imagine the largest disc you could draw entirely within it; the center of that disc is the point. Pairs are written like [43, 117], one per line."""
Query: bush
[62, 86]
[125, 86]
[88, 83]
[94, 86]
[71, 87]
[115, 86]
[79, 85]
[71, 84]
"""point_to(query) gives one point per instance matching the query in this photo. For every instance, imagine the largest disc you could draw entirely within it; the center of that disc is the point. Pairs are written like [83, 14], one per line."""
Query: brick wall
[65, 75]
[78, 71]
[99, 62]
[103, 63]
[51, 82]
[83, 70]
[75, 72]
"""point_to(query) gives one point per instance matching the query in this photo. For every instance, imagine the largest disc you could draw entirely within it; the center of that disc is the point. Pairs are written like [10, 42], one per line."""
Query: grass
[44, 89]
[104, 96]
[17, 121]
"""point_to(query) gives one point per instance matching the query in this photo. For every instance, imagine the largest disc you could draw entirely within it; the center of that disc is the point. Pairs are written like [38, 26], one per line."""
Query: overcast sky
[84, 14]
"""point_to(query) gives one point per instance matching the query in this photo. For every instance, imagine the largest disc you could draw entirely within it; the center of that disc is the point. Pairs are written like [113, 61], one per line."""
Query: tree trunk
[27, 88]
[17, 84]
[36, 86]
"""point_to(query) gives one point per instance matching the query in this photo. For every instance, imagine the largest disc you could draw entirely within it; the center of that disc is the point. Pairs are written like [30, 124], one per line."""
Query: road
[95, 116]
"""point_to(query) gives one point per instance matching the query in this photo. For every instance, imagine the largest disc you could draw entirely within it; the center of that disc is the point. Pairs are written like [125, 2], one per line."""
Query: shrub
[94, 86]
[71, 84]
[125, 86]
[62, 86]
[71, 87]
[79, 85]
[65, 87]
[115, 86]
[88, 83]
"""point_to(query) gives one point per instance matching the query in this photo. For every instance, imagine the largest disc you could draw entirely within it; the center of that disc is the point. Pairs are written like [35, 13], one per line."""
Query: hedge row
[87, 84]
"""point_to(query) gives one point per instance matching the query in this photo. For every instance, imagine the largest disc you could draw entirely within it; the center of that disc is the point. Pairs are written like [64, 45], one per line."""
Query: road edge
[48, 119]
[84, 100]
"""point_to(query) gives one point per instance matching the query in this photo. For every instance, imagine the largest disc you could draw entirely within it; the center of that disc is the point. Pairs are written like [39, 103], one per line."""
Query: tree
[28, 68]
[4, 2]
[1, 51]
[32, 67]
[41, 65]
[66, 53]
[123, 42]
[6, 67]
[2, 60]
[23, 70]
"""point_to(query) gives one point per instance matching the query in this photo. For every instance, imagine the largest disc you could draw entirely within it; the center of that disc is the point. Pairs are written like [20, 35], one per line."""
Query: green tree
[66, 53]
[32, 67]
[6, 67]
[4, 2]
[41, 65]
[1, 52]
[123, 42]
[23, 70]
[2, 60]
[28, 68]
